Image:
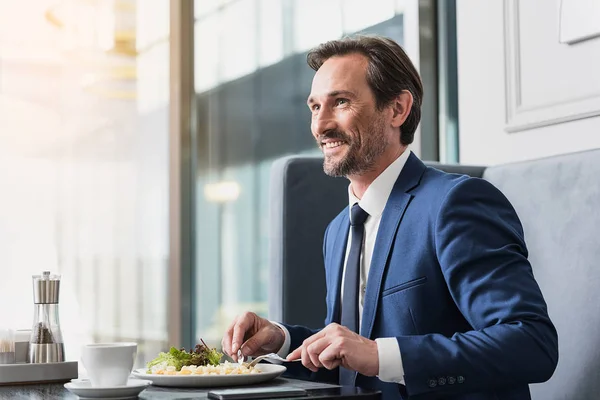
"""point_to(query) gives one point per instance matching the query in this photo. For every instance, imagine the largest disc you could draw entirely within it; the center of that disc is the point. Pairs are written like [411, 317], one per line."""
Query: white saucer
[83, 388]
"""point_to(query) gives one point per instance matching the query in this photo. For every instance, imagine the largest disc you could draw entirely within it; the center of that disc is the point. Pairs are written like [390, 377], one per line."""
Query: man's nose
[323, 123]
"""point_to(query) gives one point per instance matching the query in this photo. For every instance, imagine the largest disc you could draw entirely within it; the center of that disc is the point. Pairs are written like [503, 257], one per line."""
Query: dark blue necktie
[349, 318]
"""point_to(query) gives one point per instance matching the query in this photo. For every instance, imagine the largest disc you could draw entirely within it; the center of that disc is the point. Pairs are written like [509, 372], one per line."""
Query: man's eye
[315, 107]
[339, 102]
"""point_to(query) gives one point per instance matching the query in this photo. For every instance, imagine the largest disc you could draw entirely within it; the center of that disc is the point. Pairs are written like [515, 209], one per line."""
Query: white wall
[534, 97]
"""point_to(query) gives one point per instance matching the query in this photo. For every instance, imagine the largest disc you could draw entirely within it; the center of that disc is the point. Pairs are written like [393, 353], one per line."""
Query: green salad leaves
[200, 355]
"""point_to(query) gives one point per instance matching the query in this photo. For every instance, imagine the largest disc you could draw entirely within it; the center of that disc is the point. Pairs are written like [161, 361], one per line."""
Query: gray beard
[357, 162]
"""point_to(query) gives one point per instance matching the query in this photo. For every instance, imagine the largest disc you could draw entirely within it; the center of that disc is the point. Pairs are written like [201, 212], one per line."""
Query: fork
[271, 357]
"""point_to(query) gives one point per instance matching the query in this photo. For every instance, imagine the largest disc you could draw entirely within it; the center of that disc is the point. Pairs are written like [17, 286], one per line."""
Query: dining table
[314, 390]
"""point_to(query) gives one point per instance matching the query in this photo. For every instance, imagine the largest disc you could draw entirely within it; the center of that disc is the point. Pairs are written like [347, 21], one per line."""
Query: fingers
[316, 342]
[227, 337]
[332, 364]
[315, 349]
[294, 355]
[311, 349]
[331, 356]
[242, 325]
[236, 332]
[306, 360]
[252, 335]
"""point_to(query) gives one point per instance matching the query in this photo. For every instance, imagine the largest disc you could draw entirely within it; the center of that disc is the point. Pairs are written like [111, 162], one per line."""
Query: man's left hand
[336, 345]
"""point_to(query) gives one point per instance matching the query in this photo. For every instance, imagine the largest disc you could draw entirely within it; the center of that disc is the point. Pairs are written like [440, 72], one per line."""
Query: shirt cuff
[390, 360]
[285, 348]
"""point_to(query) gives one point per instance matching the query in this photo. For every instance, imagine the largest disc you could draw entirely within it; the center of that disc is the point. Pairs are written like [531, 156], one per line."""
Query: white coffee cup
[108, 364]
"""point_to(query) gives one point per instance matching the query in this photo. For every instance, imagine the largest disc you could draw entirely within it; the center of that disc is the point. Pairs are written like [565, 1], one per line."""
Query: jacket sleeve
[479, 243]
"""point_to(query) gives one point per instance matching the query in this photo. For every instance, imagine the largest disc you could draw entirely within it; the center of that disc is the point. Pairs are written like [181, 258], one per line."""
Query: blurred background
[137, 136]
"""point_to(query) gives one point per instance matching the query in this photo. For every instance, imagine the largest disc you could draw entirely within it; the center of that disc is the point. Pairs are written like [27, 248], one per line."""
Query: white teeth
[331, 145]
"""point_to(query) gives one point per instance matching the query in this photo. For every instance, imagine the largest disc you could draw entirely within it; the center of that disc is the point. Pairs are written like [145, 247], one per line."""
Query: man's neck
[360, 183]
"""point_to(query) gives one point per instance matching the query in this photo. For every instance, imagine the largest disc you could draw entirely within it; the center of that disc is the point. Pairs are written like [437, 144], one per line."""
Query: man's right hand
[255, 335]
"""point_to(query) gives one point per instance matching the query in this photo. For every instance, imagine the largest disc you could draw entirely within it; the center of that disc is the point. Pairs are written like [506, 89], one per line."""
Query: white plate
[267, 372]
[84, 389]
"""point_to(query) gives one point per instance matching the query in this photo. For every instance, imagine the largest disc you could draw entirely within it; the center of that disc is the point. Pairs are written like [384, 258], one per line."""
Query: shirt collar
[378, 192]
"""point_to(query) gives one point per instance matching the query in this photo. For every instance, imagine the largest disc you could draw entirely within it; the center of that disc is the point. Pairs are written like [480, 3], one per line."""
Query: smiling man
[429, 291]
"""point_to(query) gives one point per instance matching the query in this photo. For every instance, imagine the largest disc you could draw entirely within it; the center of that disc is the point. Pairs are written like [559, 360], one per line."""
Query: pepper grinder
[46, 343]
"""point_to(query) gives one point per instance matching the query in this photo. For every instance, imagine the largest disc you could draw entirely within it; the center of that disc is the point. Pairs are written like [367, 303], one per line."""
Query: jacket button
[442, 381]
[432, 383]
[460, 379]
[451, 380]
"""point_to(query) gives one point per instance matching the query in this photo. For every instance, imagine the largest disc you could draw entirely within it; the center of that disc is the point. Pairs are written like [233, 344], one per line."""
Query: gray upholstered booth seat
[558, 201]
[302, 202]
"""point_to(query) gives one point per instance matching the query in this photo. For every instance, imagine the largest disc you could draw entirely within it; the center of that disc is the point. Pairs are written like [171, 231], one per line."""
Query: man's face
[346, 124]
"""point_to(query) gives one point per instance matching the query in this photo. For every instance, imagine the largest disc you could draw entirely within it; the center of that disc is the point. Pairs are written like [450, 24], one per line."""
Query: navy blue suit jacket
[450, 280]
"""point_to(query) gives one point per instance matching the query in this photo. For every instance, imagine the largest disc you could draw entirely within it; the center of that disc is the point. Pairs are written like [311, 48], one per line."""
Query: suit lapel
[337, 264]
[390, 220]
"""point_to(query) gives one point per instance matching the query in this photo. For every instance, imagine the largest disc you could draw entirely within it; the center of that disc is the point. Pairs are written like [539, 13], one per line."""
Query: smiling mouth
[332, 145]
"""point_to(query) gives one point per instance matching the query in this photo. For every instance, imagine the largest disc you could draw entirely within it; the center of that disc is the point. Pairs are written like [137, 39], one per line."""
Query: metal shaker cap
[46, 288]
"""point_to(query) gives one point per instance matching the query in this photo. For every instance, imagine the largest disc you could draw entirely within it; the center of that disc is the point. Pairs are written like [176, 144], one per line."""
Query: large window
[83, 166]
[84, 151]
[252, 82]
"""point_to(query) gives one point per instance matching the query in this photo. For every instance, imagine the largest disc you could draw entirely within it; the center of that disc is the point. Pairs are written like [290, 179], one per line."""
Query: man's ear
[401, 106]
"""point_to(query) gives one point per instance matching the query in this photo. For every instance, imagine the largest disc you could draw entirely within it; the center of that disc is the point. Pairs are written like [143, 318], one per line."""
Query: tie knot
[358, 216]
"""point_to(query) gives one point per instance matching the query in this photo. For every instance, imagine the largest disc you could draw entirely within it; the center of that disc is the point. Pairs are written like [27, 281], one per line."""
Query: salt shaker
[46, 343]
[7, 346]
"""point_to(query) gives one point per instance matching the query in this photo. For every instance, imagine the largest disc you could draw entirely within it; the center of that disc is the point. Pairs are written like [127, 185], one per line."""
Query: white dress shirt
[373, 202]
